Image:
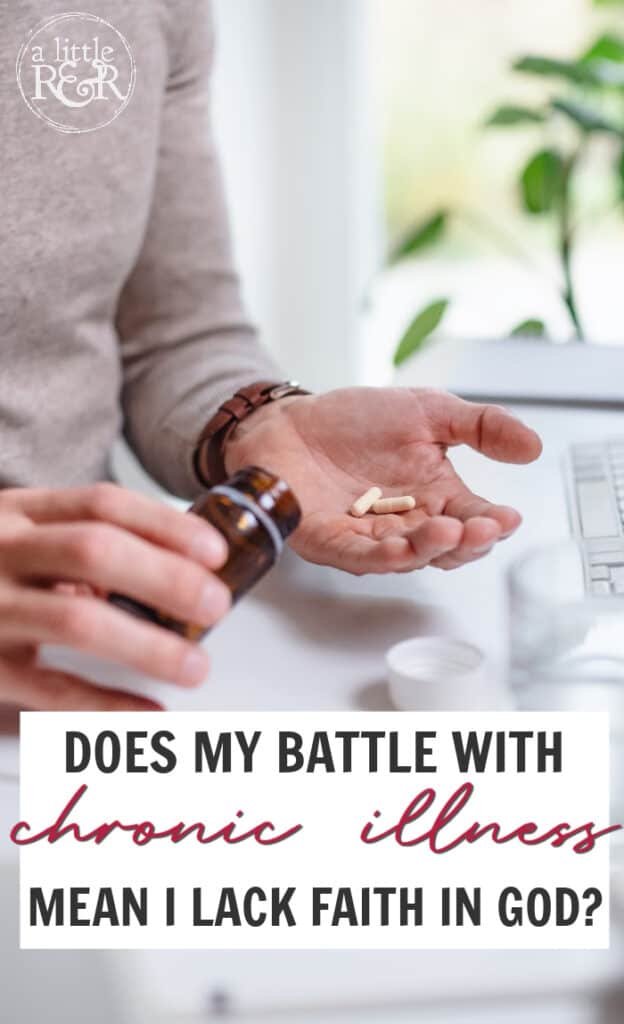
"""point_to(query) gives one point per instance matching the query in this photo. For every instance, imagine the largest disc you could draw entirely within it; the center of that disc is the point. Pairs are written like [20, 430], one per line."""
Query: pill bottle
[256, 512]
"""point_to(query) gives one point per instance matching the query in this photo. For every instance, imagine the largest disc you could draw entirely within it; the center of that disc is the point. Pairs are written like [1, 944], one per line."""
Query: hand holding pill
[371, 470]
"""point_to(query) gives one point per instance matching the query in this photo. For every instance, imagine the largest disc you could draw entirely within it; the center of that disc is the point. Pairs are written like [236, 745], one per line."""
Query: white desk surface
[313, 638]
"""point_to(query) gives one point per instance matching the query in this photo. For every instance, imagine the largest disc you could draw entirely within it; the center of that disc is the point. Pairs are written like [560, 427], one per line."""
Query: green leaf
[608, 3]
[542, 181]
[423, 324]
[592, 73]
[420, 236]
[508, 114]
[549, 67]
[606, 47]
[586, 118]
[529, 329]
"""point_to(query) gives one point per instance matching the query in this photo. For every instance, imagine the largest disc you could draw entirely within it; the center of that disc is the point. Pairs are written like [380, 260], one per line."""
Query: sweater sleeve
[186, 344]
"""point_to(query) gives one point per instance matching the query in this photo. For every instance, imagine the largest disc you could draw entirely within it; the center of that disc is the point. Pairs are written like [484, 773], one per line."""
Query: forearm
[186, 342]
[177, 394]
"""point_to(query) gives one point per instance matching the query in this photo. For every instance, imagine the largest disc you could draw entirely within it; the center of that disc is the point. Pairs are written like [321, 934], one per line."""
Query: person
[119, 305]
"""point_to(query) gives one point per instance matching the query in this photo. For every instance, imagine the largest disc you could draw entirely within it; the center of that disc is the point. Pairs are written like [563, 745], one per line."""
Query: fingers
[104, 502]
[31, 616]
[447, 543]
[431, 540]
[487, 428]
[467, 505]
[359, 554]
[441, 541]
[478, 537]
[42, 690]
[113, 560]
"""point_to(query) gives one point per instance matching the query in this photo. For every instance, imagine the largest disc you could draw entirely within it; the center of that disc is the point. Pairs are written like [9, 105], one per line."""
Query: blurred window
[440, 70]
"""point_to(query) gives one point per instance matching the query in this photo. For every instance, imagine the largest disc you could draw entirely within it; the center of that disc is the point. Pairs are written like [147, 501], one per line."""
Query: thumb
[489, 429]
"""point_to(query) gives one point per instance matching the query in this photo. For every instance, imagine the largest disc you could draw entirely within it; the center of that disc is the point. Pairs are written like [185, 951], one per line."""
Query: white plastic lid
[429, 673]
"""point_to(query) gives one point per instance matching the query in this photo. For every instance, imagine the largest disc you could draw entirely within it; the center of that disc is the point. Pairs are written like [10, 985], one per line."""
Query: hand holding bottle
[62, 552]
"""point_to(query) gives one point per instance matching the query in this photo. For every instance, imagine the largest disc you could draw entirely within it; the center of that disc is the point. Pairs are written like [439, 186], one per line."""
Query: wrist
[252, 435]
[209, 455]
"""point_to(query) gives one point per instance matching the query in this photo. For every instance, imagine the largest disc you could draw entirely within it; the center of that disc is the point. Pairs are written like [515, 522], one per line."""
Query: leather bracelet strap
[209, 455]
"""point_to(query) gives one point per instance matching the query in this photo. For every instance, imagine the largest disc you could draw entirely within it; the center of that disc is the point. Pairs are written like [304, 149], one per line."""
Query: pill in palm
[401, 504]
[364, 503]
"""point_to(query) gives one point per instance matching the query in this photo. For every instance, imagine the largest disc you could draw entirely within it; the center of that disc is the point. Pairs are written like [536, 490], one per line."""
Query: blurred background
[350, 130]
[376, 111]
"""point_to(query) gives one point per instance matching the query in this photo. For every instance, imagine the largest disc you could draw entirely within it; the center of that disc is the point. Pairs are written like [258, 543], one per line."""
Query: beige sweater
[119, 305]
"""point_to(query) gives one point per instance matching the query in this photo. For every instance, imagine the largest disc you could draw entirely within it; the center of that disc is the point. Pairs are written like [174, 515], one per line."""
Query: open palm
[330, 448]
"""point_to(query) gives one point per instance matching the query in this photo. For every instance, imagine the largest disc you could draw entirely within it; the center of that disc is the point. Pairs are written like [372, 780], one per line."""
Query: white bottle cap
[440, 673]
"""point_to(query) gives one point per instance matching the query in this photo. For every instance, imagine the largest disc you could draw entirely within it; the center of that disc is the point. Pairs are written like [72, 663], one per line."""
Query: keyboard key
[596, 509]
[600, 587]
[605, 544]
[607, 558]
[600, 572]
[617, 578]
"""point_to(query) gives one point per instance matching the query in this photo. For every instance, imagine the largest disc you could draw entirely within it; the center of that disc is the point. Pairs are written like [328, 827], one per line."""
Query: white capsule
[402, 504]
[363, 504]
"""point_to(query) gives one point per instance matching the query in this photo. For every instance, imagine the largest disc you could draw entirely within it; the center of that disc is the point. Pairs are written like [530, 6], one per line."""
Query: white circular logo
[76, 72]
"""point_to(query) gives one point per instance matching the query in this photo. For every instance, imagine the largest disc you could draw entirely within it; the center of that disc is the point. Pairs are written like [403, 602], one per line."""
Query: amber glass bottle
[255, 511]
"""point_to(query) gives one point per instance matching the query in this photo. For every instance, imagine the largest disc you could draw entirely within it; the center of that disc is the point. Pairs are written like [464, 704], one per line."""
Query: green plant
[588, 95]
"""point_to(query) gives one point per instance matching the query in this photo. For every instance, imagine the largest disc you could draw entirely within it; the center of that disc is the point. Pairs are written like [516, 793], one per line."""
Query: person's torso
[74, 205]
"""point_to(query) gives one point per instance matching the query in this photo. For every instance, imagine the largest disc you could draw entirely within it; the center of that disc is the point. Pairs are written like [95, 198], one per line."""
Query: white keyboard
[597, 499]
